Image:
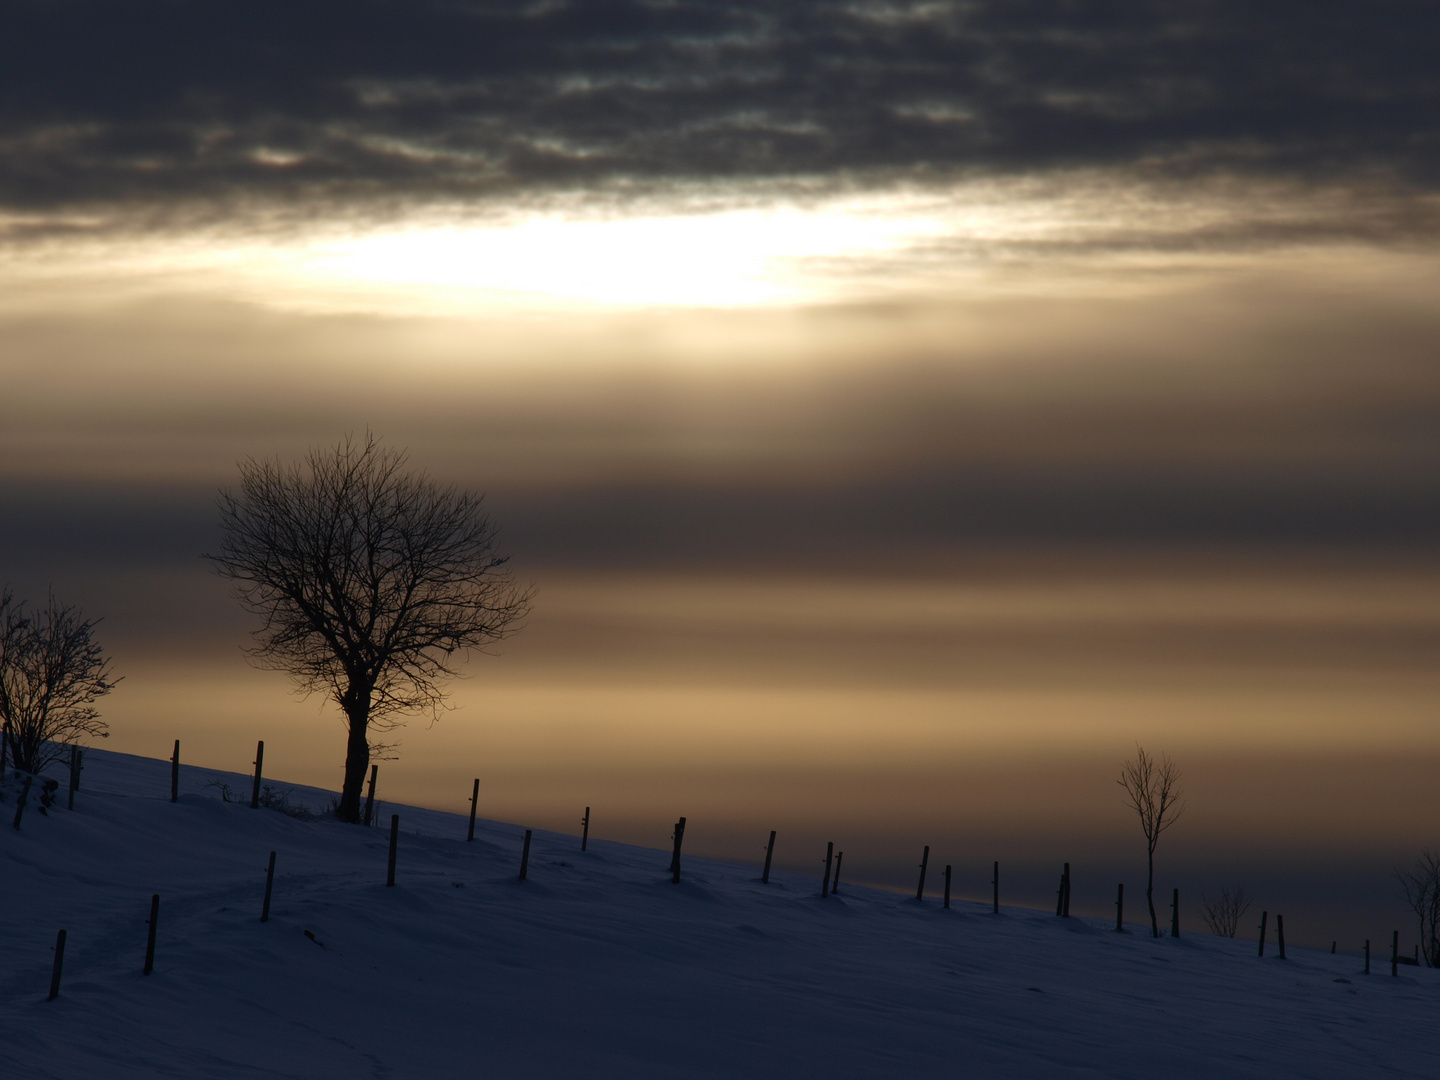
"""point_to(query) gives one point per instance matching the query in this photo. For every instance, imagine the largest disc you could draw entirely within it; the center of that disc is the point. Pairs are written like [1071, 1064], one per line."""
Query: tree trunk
[1150, 894]
[357, 755]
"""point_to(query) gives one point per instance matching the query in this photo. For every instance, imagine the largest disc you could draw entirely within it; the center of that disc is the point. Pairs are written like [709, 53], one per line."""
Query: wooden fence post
[1395, 954]
[1280, 933]
[259, 759]
[175, 773]
[394, 843]
[769, 853]
[1062, 895]
[150, 940]
[59, 963]
[1333, 944]
[4, 747]
[829, 857]
[525, 856]
[474, 802]
[947, 885]
[1367, 956]
[1120, 909]
[675, 856]
[924, 862]
[995, 884]
[585, 829]
[74, 771]
[368, 818]
[1175, 919]
[269, 883]
[1263, 916]
[835, 882]
[20, 806]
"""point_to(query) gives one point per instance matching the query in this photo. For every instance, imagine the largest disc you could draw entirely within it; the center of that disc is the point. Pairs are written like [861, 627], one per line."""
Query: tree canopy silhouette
[370, 580]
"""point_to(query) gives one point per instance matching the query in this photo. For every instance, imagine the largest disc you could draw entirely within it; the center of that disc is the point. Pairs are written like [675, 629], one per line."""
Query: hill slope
[599, 966]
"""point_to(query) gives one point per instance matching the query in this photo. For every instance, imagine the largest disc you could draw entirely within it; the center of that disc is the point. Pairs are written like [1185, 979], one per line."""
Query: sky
[901, 410]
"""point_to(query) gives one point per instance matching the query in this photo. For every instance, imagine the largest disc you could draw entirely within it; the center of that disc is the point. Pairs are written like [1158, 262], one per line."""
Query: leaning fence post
[20, 806]
[150, 940]
[368, 817]
[585, 829]
[835, 883]
[269, 882]
[525, 856]
[924, 862]
[947, 885]
[175, 773]
[829, 857]
[474, 802]
[1120, 909]
[1175, 920]
[59, 963]
[1280, 933]
[995, 884]
[769, 852]
[1395, 953]
[1263, 916]
[394, 843]
[259, 759]
[675, 856]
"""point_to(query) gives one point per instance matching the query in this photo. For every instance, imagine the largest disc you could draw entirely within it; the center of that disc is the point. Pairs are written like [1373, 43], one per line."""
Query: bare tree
[1152, 790]
[1224, 913]
[369, 579]
[52, 670]
[1422, 893]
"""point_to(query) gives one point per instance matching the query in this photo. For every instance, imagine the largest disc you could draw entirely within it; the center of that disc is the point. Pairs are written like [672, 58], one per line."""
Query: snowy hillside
[599, 966]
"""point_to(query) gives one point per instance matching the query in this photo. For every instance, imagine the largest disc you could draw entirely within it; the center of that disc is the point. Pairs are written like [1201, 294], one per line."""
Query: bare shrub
[1223, 914]
[52, 670]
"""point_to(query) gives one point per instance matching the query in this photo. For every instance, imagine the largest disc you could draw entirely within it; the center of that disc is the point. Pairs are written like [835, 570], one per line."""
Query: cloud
[374, 102]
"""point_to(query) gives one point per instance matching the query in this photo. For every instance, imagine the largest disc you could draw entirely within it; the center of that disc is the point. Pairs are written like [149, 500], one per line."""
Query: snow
[598, 966]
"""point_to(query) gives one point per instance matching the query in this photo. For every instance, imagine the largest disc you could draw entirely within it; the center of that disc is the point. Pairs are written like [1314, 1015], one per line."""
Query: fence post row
[769, 852]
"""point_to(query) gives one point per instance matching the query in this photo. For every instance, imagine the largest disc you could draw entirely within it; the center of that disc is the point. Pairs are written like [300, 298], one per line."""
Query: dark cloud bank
[145, 102]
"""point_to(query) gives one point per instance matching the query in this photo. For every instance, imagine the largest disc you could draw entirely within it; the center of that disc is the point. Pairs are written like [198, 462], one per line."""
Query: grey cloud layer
[142, 102]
